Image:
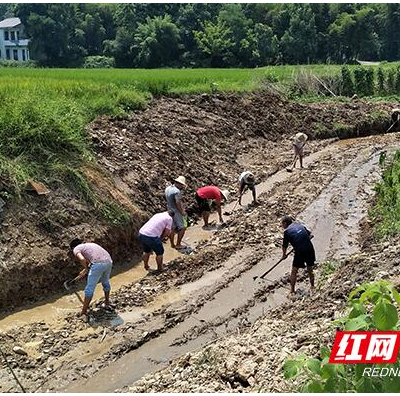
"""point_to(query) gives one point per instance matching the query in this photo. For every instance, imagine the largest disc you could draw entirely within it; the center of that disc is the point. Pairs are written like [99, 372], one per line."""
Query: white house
[13, 45]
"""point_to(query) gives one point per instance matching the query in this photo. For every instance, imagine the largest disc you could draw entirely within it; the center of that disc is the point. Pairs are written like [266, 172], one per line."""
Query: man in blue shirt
[304, 254]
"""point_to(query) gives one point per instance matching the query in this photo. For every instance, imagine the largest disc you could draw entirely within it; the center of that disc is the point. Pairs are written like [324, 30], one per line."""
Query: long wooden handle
[275, 265]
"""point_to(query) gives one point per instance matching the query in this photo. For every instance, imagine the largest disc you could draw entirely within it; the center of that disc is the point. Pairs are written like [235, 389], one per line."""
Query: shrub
[347, 82]
[397, 81]
[98, 62]
[387, 208]
[360, 81]
[381, 81]
[369, 81]
[372, 306]
[13, 63]
[390, 84]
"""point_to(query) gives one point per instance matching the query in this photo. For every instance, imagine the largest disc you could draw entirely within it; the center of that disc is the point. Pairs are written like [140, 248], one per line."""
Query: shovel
[290, 169]
[67, 286]
[226, 213]
[391, 126]
[273, 267]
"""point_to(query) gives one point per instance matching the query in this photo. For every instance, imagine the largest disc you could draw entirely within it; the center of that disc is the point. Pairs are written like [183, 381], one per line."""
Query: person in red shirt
[204, 194]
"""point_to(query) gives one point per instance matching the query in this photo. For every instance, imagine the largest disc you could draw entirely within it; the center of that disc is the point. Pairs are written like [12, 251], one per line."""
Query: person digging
[152, 234]
[247, 180]
[395, 116]
[97, 264]
[300, 140]
[304, 254]
[173, 195]
[203, 195]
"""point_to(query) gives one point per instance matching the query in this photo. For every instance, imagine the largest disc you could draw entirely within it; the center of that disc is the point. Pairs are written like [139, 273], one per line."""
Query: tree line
[208, 35]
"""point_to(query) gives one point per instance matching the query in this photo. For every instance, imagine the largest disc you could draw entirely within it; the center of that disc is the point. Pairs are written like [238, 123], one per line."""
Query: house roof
[10, 22]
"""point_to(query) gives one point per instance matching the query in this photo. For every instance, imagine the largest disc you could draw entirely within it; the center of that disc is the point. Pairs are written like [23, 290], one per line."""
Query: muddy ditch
[240, 303]
[81, 351]
[208, 138]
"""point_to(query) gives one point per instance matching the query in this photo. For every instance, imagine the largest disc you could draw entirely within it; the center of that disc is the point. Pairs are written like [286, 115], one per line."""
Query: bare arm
[285, 245]
[166, 233]
[242, 189]
[180, 207]
[84, 263]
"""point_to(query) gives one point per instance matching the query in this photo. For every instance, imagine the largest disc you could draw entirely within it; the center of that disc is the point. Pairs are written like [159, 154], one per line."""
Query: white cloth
[244, 176]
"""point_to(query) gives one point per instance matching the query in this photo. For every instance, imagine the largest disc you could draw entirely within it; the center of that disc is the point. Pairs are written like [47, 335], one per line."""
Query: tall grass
[386, 212]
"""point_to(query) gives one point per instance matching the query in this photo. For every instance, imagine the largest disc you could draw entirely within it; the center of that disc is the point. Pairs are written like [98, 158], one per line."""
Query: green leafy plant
[386, 212]
[327, 268]
[347, 82]
[371, 306]
[381, 81]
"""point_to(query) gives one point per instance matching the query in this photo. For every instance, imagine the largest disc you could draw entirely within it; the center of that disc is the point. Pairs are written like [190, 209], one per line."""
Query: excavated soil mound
[211, 139]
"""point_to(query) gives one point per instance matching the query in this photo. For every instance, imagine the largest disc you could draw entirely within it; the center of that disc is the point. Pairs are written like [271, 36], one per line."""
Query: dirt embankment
[209, 139]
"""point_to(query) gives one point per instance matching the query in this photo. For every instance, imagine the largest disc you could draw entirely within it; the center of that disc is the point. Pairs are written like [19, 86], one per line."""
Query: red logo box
[365, 347]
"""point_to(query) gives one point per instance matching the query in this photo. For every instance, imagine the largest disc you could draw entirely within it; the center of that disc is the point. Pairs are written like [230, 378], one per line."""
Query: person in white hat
[246, 179]
[173, 195]
[300, 140]
[203, 194]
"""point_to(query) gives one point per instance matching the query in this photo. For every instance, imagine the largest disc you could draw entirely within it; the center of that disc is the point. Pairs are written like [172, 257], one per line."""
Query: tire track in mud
[189, 335]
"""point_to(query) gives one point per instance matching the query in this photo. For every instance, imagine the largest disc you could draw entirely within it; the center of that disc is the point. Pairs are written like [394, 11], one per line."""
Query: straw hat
[226, 194]
[300, 137]
[181, 180]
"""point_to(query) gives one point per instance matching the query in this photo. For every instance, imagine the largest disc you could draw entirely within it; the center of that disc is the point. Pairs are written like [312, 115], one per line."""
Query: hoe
[273, 267]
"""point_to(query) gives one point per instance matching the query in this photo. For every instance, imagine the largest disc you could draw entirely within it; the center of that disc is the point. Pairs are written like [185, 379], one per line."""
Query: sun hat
[300, 137]
[181, 180]
[226, 194]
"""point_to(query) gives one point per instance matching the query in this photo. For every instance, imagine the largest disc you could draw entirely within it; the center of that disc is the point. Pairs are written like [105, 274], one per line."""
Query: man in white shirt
[246, 179]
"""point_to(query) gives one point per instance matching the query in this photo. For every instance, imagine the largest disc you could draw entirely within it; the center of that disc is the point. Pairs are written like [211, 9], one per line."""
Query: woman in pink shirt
[152, 235]
[203, 194]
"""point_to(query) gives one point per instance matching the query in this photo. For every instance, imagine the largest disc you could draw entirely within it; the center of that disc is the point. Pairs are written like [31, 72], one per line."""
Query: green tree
[52, 28]
[390, 31]
[156, 42]
[6, 10]
[299, 41]
[260, 46]
[354, 36]
[232, 16]
[190, 19]
[121, 48]
[214, 41]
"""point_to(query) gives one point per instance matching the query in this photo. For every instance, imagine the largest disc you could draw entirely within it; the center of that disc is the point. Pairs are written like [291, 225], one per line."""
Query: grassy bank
[44, 112]
[386, 211]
